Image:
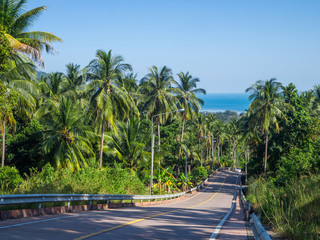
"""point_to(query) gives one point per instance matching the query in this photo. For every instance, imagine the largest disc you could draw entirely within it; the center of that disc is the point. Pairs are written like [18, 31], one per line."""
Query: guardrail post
[90, 205]
[40, 209]
[68, 206]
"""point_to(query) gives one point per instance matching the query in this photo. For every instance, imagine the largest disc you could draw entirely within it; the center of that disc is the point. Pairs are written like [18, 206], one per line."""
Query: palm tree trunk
[186, 165]
[159, 143]
[3, 142]
[159, 153]
[219, 153]
[102, 138]
[183, 122]
[265, 157]
[233, 154]
[207, 153]
[246, 156]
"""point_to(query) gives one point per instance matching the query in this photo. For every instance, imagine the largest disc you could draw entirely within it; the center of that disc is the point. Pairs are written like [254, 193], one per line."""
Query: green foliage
[10, 179]
[5, 52]
[20, 145]
[8, 102]
[184, 182]
[298, 162]
[91, 180]
[126, 144]
[293, 209]
[67, 139]
[199, 173]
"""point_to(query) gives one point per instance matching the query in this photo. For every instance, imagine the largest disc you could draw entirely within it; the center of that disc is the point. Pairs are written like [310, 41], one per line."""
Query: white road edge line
[47, 220]
[215, 234]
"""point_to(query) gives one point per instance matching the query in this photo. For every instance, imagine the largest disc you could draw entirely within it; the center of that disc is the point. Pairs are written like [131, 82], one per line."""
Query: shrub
[10, 179]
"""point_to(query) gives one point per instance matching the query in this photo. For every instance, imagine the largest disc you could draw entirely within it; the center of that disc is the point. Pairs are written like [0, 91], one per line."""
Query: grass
[292, 209]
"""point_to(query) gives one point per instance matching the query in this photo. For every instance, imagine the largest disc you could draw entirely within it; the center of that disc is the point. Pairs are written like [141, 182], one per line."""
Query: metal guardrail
[43, 198]
[257, 228]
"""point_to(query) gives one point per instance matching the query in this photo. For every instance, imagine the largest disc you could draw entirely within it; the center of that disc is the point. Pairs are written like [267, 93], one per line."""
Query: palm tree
[15, 22]
[7, 104]
[74, 80]
[127, 144]
[51, 85]
[234, 136]
[108, 100]
[266, 108]
[67, 138]
[157, 95]
[26, 90]
[186, 90]
[219, 133]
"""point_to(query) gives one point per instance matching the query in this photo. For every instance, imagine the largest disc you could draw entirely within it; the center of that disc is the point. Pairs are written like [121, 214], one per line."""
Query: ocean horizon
[221, 102]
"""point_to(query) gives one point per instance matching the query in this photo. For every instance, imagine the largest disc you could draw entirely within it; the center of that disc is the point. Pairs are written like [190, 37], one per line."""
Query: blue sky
[228, 44]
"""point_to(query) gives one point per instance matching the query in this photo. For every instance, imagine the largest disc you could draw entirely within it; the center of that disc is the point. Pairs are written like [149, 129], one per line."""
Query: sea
[221, 102]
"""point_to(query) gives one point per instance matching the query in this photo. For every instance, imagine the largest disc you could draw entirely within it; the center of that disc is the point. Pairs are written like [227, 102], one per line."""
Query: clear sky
[228, 44]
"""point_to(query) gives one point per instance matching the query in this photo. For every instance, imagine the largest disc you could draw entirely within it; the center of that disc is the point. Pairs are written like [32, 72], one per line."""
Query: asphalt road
[193, 218]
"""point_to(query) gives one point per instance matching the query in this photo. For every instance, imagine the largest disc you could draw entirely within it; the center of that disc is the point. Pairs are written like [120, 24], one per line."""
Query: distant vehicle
[238, 170]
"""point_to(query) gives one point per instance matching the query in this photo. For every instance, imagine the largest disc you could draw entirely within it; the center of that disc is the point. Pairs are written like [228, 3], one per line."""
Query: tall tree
[127, 144]
[157, 94]
[108, 101]
[186, 89]
[266, 109]
[67, 138]
[7, 105]
[75, 79]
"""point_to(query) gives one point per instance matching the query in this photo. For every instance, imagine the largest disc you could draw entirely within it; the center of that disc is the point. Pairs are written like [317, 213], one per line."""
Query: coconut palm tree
[157, 95]
[233, 131]
[108, 101]
[51, 85]
[266, 109]
[15, 23]
[20, 79]
[75, 79]
[127, 144]
[186, 90]
[8, 100]
[67, 138]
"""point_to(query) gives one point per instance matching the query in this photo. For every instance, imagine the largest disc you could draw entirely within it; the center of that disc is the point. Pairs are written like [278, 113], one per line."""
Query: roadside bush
[91, 180]
[10, 179]
[199, 173]
[296, 164]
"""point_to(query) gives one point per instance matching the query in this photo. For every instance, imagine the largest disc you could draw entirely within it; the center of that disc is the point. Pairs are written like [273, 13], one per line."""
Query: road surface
[193, 218]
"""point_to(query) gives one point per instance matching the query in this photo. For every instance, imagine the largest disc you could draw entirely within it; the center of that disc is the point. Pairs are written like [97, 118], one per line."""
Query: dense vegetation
[88, 130]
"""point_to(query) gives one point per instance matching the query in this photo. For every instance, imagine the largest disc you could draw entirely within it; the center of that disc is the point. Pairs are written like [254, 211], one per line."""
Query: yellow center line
[152, 216]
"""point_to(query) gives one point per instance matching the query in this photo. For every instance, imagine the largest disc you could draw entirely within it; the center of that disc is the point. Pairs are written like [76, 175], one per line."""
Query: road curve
[194, 218]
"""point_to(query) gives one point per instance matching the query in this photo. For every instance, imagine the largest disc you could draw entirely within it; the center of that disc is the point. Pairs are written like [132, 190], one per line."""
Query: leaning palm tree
[157, 95]
[108, 101]
[186, 90]
[266, 109]
[15, 23]
[67, 138]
